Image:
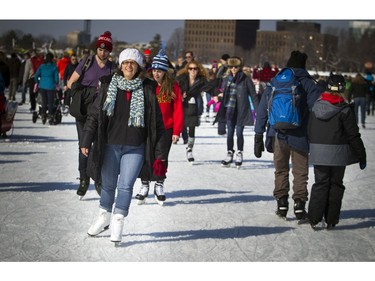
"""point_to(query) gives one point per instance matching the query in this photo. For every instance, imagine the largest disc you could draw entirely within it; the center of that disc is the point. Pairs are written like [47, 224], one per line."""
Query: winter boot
[84, 184]
[299, 209]
[282, 207]
[159, 192]
[117, 226]
[239, 159]
[143, 192]
[101, 224]
[228, 160]
[98, 187]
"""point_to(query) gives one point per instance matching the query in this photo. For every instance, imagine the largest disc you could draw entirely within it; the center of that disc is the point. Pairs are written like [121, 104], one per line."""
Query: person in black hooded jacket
[335, 142]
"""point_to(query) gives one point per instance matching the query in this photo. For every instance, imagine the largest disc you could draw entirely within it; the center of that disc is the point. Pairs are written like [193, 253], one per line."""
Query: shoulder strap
[87, 64]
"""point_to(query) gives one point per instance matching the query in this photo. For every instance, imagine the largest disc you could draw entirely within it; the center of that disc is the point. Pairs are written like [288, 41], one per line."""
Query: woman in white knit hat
[125, 122]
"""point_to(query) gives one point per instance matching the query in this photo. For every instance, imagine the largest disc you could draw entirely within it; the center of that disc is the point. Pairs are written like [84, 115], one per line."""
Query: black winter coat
[334, 135]
[245, 91]
[95, 131]
[193, 111]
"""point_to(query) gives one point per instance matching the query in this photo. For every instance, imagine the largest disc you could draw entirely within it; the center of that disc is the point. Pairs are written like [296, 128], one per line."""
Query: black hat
[225, 57]
[336, 83]
[297, 60]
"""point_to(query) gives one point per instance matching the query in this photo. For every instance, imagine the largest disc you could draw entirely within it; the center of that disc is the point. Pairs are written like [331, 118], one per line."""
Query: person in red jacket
[169, 98]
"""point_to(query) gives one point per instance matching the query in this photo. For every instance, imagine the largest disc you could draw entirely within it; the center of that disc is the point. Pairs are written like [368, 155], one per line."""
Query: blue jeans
[230, 136]
[126, 161]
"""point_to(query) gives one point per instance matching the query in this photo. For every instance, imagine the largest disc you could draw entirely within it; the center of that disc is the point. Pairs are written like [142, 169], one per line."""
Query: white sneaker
[101, 224]
[117, 226]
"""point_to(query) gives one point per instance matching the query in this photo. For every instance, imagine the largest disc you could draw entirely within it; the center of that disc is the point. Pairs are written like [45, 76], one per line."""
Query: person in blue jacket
[289, 144]
[47, 78]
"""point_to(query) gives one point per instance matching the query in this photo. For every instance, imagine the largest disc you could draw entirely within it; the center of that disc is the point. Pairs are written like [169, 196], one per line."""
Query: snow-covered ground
[212, 214]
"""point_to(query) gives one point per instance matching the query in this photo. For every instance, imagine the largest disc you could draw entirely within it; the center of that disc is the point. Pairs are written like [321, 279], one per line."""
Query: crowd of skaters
[202, 90]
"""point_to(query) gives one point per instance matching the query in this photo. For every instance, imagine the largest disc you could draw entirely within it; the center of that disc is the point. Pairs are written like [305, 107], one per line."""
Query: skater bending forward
[126, 122]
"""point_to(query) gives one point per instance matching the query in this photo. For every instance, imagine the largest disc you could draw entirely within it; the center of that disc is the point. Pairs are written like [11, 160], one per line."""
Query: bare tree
[175, 44]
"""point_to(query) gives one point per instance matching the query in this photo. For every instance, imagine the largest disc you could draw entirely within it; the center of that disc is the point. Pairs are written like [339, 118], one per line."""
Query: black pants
[326, 194]
[168, 144]
[82, 159]
[32, 95]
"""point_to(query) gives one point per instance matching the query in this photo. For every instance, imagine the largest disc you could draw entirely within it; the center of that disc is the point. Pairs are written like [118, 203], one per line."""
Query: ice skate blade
[141, 202]
[225, 165]
[80, 197]
[161, 203]
[117, 243]
[94, 235]
[303, 221]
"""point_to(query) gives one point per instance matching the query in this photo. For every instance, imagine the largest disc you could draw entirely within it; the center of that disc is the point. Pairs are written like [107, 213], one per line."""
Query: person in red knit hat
[85, 84]
[105, 41]
[170, 102]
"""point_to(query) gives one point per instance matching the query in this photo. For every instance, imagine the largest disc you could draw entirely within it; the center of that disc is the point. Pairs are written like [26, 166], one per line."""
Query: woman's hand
[85, 151]
[175, 139]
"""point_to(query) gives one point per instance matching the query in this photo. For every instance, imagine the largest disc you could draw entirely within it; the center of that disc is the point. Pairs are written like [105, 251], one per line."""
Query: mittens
[258, 145]
[159, 168]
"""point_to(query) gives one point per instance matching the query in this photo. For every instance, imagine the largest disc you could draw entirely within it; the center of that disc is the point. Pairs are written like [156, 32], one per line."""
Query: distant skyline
[131, 31]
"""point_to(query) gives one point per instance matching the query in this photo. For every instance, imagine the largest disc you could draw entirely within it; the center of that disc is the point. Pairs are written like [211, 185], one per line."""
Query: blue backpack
[283, 106]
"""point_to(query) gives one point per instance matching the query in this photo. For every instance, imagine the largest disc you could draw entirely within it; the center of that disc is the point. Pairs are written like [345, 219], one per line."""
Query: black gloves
[258, 145]
[362, 165]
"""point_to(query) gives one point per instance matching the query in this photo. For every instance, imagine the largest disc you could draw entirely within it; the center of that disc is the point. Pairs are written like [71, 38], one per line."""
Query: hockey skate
[143, 193]
[159, 193]
[299, 211]
[189, 155]
[282, 207]
[84, 184]
[228, 160]
[239, 159]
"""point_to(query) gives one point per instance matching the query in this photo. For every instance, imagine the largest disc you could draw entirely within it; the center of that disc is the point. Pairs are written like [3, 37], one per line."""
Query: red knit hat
[147, 52]
[105, 41]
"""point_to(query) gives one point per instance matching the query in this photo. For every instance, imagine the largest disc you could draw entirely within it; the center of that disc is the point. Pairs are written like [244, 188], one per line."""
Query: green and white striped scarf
[137, 105]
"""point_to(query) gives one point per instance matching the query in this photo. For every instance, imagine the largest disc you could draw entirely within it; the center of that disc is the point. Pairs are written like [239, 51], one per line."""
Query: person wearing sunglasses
[238, 98]
[193, 80]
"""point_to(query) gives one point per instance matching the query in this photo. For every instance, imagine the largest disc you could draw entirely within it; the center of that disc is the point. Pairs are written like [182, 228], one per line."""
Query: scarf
[231, 104]
[332, 99]
[136, 118]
